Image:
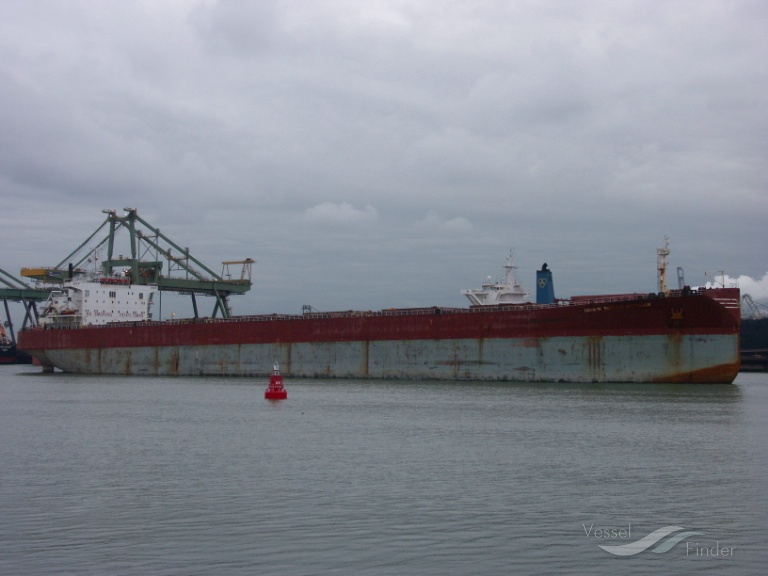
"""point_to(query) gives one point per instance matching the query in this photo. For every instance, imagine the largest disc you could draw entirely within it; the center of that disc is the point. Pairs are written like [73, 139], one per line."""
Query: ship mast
[662, 254]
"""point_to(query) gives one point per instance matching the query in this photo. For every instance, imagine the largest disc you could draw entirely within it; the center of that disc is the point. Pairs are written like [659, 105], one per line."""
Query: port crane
[753, 309]
[16, 290]
[143, 262]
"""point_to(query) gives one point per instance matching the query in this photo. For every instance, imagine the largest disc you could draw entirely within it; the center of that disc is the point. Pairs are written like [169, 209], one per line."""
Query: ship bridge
[151, 258]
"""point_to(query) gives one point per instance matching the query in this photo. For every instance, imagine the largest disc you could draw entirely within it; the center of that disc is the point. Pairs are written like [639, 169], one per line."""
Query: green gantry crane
[16, 290]
[143, 264]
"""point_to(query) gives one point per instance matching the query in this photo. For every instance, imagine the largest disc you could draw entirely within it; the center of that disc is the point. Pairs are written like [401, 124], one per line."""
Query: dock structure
[754, 339]
[754, 360]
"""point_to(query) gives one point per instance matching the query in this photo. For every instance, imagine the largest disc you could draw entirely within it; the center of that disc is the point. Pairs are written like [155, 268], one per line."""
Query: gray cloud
[390, 153]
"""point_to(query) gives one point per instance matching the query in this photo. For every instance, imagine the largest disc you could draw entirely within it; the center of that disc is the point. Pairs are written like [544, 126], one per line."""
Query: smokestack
[545, 289]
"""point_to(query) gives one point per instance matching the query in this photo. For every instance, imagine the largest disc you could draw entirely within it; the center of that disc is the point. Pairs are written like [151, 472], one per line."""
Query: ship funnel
[545, 289]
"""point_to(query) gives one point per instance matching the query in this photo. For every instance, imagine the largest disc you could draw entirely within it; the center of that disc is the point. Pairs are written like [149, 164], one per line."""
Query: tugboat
[9, 354]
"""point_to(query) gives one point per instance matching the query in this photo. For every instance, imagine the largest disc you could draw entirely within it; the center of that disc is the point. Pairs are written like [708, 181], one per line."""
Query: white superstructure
[506, 291]
[98, 300]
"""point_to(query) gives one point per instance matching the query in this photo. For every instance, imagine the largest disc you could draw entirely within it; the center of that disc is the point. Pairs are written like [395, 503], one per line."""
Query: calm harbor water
[111, 475]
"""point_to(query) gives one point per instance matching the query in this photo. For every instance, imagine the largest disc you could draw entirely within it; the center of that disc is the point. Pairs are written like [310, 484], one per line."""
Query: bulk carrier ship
[100, 323]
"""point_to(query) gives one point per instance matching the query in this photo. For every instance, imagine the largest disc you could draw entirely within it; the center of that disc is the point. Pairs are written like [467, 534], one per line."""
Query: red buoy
[276, 390]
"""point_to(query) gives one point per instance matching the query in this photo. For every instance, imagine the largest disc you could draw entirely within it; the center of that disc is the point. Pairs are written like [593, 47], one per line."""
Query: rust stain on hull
[724, 373]
[570, 359]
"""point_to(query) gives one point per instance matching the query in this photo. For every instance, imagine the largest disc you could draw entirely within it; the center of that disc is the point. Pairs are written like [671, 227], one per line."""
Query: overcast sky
[390, 153]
